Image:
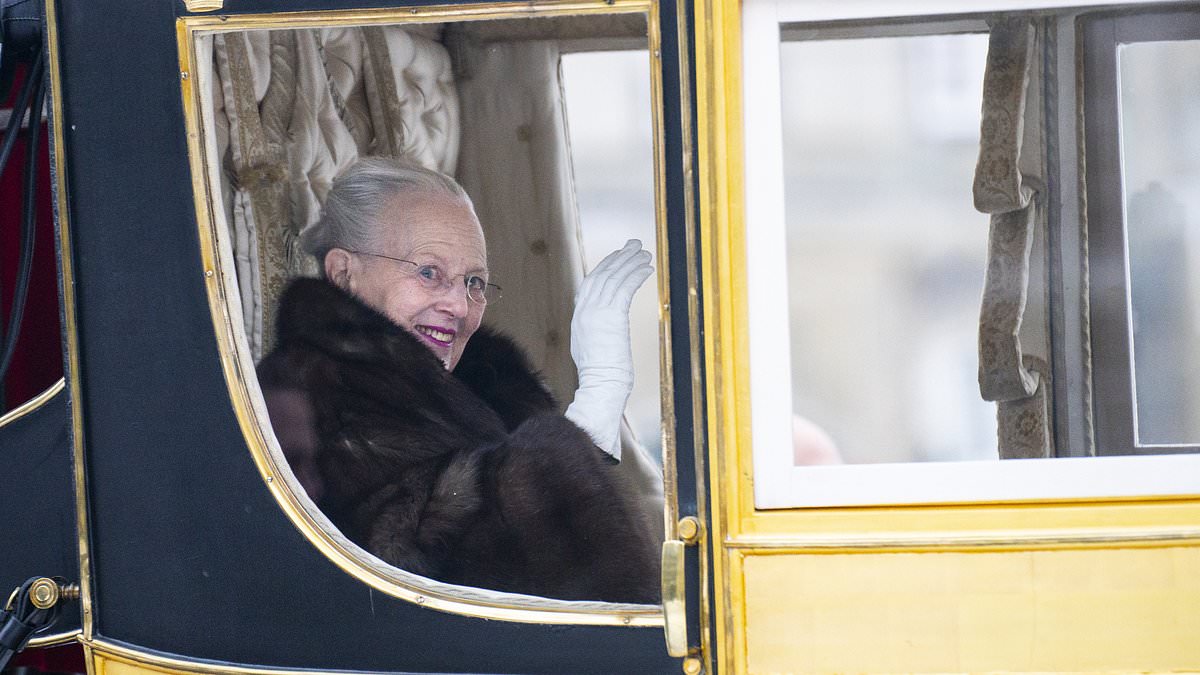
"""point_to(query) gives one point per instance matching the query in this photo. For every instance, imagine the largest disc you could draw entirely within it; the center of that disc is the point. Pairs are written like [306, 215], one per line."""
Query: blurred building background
[886, 251]
[1160, 154]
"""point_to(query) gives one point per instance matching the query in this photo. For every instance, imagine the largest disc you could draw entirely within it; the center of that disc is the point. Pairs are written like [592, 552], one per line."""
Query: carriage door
[197, 139]
[912, 359]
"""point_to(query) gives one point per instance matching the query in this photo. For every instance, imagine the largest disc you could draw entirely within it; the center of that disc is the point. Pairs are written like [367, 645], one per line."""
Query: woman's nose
[453, 298]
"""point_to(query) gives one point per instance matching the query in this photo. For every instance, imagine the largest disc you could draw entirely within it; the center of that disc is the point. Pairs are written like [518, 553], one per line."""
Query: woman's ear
[338, 266]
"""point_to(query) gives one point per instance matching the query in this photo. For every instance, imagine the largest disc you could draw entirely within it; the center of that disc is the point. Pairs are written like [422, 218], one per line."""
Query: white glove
[600, 344]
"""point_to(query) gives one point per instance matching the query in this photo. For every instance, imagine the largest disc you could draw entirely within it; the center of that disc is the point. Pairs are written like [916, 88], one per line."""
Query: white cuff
[599, 405]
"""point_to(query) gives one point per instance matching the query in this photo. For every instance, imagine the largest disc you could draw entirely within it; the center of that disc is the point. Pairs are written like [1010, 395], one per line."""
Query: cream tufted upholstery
[292, 109]
[516, 165]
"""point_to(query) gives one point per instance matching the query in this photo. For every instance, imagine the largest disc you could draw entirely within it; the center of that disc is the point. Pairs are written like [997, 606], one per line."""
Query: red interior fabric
[37, 362]
[66, 658]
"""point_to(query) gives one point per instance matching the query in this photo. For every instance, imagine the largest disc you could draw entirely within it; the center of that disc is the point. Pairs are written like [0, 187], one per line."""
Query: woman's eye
[476, 283]
[429, 272]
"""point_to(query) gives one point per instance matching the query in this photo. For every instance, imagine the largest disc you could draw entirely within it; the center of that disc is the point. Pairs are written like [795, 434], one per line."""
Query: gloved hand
[600, 344]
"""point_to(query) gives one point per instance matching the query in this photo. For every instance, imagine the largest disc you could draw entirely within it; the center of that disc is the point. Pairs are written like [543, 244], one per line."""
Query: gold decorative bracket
[674, 591]
[203, 5]
[45, 593]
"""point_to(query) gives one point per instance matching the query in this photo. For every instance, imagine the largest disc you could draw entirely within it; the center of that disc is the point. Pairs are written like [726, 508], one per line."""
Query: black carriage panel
[190, 554]
[37, 531]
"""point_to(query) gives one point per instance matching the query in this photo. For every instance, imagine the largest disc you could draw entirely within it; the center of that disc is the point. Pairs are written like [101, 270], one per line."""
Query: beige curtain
[292, 109]
[1010, 185]
[516, 164]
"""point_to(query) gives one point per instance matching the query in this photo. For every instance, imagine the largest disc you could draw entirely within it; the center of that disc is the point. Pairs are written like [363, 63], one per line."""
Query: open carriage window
[477, 407]
[612, 157]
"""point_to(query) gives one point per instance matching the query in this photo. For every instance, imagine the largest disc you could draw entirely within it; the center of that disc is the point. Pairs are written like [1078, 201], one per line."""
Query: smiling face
[428, 228]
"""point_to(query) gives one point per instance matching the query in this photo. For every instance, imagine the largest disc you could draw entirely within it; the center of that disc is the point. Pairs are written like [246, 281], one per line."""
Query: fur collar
[317, 314]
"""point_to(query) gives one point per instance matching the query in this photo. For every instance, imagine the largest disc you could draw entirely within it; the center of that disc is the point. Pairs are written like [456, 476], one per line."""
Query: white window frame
[778, 483]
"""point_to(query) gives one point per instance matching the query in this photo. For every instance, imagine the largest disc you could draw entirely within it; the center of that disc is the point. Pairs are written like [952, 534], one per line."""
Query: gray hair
[352, 206]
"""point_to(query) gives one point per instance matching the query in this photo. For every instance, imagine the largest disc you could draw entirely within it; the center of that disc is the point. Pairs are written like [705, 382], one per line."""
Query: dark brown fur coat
[469, 477]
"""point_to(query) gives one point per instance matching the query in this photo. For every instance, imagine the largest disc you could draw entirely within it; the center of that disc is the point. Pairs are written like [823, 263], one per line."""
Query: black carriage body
[185, 552]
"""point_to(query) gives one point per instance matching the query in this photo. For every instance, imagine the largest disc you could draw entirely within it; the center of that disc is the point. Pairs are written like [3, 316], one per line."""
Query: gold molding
[67, 288]
[696, 346]
[718, 101]
[89, 657]
[32, 404]
[238, 369]
[99, 653]
[972, 541]
[665, 355]
[203, 5]
[39, 641]
[1126, 519]
[429, 14]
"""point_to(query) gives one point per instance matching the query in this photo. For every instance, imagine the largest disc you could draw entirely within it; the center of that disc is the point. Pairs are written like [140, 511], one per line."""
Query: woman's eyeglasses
[434, 278]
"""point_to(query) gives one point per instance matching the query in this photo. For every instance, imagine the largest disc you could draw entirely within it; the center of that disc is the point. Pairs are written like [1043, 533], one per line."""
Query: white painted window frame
[777, 482]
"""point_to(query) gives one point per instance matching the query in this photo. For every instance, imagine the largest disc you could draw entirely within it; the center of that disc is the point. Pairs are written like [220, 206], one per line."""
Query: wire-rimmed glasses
[434, 278]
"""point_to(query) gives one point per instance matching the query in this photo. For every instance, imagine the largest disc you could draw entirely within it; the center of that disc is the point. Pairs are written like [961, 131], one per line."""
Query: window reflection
[1160, 144]
[886, 253]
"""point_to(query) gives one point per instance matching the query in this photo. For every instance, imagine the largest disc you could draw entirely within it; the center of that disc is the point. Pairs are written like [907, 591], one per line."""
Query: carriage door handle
[674, 591]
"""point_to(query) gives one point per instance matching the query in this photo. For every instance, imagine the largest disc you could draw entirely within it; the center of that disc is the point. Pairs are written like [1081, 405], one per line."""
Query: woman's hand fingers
[593, 284]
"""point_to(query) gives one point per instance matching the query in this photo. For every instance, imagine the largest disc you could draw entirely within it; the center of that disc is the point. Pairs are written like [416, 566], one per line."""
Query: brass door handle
[674, 613]
[674, 591]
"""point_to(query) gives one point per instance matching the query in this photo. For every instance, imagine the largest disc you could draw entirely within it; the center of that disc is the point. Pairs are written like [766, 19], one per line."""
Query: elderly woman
[430, 441]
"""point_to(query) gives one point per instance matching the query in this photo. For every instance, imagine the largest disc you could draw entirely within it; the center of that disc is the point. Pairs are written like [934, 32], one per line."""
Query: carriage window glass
[607, 94]
[861, 146]
[1160, 163]
[885, 252]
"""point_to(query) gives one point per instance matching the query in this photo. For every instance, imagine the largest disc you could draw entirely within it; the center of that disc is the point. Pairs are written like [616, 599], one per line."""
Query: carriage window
[1160, 152]
[885, 252]
[1144, 236]
[373, 156]
[1057, 327]
[612, 157]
